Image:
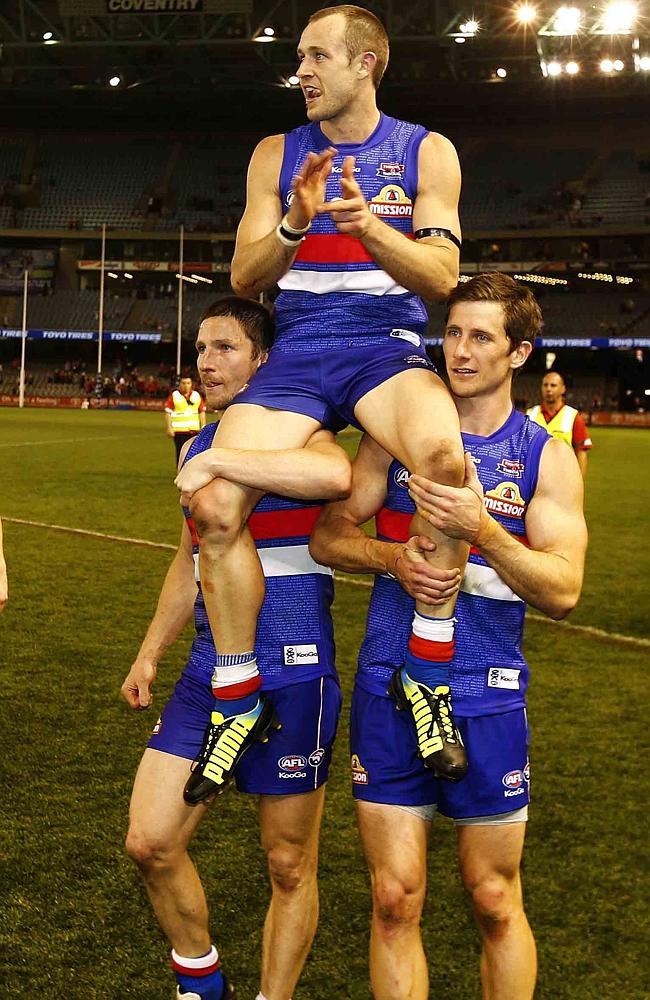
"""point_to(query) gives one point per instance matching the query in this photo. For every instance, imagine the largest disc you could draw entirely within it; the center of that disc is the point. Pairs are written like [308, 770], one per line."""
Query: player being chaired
[355, 216]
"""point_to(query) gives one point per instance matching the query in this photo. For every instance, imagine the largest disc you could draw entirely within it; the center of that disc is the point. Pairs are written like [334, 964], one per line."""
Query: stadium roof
[180, 62]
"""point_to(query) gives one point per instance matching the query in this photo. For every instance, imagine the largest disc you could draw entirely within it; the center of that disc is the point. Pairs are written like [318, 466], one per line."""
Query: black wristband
[288, 235]
[445, 234]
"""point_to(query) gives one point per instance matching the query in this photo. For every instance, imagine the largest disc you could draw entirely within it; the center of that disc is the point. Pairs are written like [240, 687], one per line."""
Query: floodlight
[502, 73]
[554, 68]
[469, 27]
[47, 35]
[460, 40]
[115, 81]
[269, 32]
[619, 17]
[572, 68]
[619, 65]
[644, 63]
[525, 13]
[606, 65]
[567, 20]
[294, 80]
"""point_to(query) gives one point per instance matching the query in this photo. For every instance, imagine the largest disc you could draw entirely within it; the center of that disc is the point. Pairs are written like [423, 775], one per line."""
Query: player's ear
[520, 354]
[261, 359]
[366, 64]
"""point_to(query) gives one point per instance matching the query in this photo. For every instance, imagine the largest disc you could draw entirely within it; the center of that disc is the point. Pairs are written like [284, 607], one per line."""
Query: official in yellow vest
[184, 414]
[562, 421]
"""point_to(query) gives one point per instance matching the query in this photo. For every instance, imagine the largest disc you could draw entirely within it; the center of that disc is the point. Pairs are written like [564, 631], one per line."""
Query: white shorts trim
[427, 813]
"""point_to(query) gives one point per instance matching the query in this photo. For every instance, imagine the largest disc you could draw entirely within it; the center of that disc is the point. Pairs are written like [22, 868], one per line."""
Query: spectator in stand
[151, 386]
[184, 414]
[560, 420]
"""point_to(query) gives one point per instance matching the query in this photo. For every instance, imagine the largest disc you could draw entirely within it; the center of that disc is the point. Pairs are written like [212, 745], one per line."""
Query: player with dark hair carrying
[355, 216]
[296, 649]
[521, 512]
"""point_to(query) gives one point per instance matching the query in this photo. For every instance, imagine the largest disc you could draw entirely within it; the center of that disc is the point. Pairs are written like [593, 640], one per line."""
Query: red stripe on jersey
[193, 532]
[283, 523]
[337, 248]
[427, 649]
[393, 524]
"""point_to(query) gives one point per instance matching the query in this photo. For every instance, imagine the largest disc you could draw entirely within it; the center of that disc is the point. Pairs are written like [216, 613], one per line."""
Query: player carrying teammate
[355, 216]
[296, 648]
[521, 512]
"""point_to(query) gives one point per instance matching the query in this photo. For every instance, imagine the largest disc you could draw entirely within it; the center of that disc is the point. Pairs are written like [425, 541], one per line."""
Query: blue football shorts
[387, 769]
[295, 759]
[327, 385]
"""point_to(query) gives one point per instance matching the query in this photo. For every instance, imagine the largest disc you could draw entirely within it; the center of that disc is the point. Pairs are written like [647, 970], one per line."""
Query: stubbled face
[185, 386]
[553, 389]
[327, 79]
[226, 360]
[477, 351]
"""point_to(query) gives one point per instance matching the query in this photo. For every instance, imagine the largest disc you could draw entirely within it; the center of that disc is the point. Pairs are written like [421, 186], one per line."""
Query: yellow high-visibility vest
[561, 426]
[185, 414]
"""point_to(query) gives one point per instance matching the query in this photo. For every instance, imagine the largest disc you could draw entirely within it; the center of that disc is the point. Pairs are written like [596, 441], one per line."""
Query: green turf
[74, 920]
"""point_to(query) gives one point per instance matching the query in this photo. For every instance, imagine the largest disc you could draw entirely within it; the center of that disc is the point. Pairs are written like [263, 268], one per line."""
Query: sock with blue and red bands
[430, 650]
[236, 683]
[201, 976]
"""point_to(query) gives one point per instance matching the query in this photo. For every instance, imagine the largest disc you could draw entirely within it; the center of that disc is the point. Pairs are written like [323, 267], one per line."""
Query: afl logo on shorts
[401, 477]
[292, 762]
[513, 779]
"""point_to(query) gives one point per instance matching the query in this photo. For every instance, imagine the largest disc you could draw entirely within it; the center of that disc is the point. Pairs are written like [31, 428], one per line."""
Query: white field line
[76, 440]
[91, 534]
[586, 630]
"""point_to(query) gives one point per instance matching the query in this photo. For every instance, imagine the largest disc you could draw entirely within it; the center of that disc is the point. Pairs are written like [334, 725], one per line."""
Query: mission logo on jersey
[391, 201]
[506, 499]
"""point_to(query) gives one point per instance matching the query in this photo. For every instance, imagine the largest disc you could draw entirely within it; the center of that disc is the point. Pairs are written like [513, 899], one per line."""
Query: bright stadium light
[572, 68]
[619, 17]
[469, 27]
[502, 72]
[294, 80]
[47, 35]
[128, 275]
[112, 274]
[115, 81]
[554, 68]
[644, 64]
[525, 13]
[265, 35]
[606, 66]
[199, 277]
[619, 65]
[567, 20]
[460, 40]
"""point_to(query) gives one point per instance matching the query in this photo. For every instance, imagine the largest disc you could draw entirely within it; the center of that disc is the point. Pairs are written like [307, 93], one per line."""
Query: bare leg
[231, 574]
[395, 845]
[413, 417]
[489, 859]
[161, 827]
[290, 826]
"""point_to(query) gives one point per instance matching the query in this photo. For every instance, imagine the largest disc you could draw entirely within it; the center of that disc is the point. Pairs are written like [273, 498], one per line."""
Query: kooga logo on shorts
[306, 653]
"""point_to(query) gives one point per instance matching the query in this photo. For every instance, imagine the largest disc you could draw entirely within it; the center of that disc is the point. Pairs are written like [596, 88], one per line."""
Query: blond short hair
[363, 33]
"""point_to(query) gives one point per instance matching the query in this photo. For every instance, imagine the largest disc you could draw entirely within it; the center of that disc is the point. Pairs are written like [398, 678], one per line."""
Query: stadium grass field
[74, 919]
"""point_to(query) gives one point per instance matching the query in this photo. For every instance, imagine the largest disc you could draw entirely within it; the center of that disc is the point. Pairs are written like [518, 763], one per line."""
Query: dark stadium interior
[556, 171]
